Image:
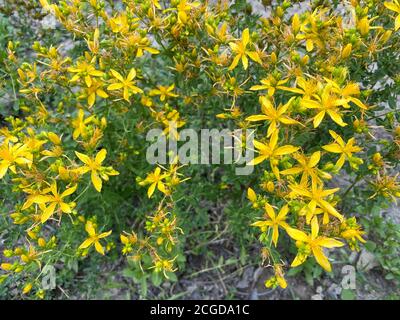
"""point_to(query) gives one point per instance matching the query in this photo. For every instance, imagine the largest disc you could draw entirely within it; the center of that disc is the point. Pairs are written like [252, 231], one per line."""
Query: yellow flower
[80, 124]
[386, 186]
[96, 88]
[32, 142]
[12, 155]
[140, 44]
[6, 266]
[44, 4]
[8, 136]
[278, 279]
[312, 31]
[94, 238]
[164, 265]
[57, 150]
[326, 103]
[86, 71]
[314, 243]
[364, 25]
[30, 255]
[316, 196]
[172, 123]
[127, 84]
[220, 34]
[95, 44]
[308, 167]
[119, 24]
[164, 92]
[274, 221]
[270, 84]
[128, 241]
[251, 195]
[307, 88]
[183, 7]
[97, 171]
[28, 287]
[156, 4]
[271, 151]
[345, 149]
[296, 24]
[155, 179]
[346, 51]
[34, 196]
[232, 113]
[280, 276]
[352, 234]
[274, 116]
[395, 6]
[55, 200]
[347, 93]
[242, 52]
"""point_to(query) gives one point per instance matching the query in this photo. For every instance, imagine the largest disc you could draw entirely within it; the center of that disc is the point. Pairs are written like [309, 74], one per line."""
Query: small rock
[242, 284]
[166, 285]
[192, 288]
[367, 261]
[302, 291]
[246, 278]
[353, 257]
[334, 291]
[254, 295]
[319, 295]
[257, 273]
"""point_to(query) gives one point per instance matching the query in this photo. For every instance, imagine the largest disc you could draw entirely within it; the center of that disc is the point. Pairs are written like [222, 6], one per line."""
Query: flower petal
[96, 180]
[321, 258]
[297, 234]
[85, 244]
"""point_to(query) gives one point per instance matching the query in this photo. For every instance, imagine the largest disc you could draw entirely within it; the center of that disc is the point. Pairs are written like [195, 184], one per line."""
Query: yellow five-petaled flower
[274, 116]
[80, 124]
[85, 70]
[312, 244]
[271, 151]
[127, 84]
[327, 103]
[242, 52]
[274, 221]
[307, 166]
[155, 179]
[345, 149]
[13, 154]
[96, 169]
[54, 201]
[270, 84]
[317, 196]
[94, 238]
[95, 89]
[163, 92]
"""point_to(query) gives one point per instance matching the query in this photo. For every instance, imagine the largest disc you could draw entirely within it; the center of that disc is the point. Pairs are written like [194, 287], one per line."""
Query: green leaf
[156, 278]
[294, 271]
[309, 278]
[347, 294]
[172, 276]
[370, 246]
[143, 287]
[128, 273]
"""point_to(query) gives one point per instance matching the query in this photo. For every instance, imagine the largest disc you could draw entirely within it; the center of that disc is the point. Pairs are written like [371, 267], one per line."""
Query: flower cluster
[75, 150]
